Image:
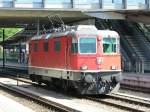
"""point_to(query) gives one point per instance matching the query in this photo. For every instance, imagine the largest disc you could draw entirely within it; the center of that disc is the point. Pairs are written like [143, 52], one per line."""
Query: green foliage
[8, 32]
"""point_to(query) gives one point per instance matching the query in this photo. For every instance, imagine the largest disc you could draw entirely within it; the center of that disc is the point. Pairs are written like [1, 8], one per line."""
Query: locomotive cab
[97, 57]
[99, 61]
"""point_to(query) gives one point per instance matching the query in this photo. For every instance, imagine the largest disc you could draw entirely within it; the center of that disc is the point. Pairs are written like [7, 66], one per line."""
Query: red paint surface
[67, 60]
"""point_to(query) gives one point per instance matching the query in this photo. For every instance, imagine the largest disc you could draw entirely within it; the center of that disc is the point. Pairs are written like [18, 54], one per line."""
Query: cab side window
[74, 48]
[57, 46]
[36, 47]
[30, 47]
[45, 46]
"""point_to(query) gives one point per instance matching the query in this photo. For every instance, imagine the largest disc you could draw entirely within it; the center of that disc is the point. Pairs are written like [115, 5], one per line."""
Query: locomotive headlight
[113, 67]
[99, 60]
[84, 67]
[89, 78]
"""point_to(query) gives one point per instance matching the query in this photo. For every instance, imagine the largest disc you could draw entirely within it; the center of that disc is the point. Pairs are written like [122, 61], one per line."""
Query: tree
[9, 32]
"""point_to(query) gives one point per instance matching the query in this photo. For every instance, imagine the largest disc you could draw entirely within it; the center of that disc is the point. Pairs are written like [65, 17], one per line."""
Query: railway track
[47, 103]
[135, 88]
[115, 100]
[124, 102]
[23, 73]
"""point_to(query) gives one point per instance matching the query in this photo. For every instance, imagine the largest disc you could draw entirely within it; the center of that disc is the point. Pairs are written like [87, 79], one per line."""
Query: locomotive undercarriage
[87, 83]
[102, 83]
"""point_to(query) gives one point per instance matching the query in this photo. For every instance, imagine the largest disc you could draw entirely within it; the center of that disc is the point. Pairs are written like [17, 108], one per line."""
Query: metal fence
[138, 67]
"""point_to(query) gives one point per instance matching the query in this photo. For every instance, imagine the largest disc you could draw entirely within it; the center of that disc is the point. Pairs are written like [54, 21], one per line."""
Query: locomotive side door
[68, 52]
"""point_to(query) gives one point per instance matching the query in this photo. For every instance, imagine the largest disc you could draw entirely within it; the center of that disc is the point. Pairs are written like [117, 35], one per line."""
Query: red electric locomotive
[81, 57]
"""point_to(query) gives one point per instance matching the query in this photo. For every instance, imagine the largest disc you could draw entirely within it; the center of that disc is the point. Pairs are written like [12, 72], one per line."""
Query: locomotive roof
[80, 29]
[106, 33]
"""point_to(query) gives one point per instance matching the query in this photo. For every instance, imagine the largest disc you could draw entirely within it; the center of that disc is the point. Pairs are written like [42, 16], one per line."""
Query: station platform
[22, 66]
[9, 105]
[136, 79]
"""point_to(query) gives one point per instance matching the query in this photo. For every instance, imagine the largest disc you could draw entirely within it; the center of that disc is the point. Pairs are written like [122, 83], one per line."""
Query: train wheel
[65, 86]
[32, 77]
[39, 82]
[39, 79]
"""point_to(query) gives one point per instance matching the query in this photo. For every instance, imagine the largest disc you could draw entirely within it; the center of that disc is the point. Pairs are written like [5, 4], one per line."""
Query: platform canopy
[16, 17]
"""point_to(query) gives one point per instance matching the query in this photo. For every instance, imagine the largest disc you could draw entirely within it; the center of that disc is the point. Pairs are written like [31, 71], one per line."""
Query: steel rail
[56, 106]
[133, 99]
[120, 105]
[135, 88]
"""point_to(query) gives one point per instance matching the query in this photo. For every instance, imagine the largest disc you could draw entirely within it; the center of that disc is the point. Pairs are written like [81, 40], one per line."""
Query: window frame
[87, 53]
[23, 2]
[112, 53]
[57, 1]
[74, 50]
[55, 46]
[36, 46]
[45, 46]
[30, 47]
[75, 42]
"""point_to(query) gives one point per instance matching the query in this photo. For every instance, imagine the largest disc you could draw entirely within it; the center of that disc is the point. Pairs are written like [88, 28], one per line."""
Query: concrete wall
[85, 22]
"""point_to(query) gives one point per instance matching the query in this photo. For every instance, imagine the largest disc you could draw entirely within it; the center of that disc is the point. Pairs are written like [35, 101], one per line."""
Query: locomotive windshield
[87, 45]
[109, 45]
